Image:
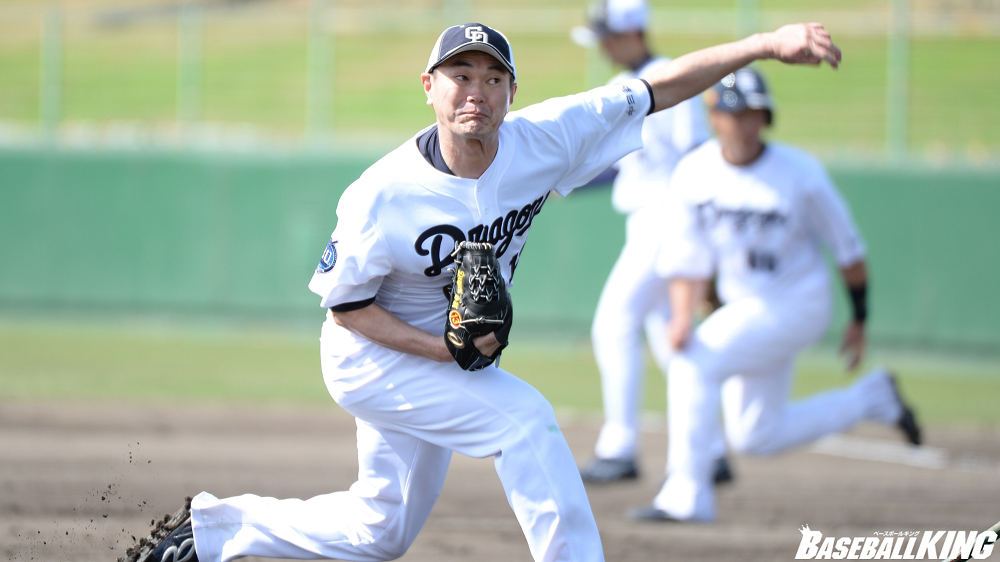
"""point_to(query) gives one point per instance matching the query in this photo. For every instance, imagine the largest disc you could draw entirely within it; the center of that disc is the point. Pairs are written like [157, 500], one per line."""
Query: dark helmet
[739, 91]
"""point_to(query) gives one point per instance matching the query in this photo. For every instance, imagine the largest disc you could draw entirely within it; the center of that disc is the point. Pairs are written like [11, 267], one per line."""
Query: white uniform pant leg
[692, 422]
[399, 479]
[656, 322]
[747, 336]
[480, 414]
[656, 334]
[493, 413]
[634, 298]
[761, 421]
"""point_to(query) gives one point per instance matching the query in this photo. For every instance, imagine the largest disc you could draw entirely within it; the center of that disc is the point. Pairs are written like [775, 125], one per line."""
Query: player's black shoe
[178, 546]
[907, 422]
[171, 540]
[722, 474]
[609, 470]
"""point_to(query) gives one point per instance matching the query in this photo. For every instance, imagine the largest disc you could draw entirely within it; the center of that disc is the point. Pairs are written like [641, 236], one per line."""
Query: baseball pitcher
[389, 280]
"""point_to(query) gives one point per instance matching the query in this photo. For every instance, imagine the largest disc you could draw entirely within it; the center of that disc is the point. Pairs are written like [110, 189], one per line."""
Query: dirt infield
[76, 481]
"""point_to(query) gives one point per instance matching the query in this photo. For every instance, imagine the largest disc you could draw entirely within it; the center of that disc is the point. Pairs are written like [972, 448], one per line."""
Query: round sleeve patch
[329, 258]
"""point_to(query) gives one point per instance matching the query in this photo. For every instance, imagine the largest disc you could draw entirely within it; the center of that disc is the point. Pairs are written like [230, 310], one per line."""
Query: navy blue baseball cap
[471, 37]
[739, 91]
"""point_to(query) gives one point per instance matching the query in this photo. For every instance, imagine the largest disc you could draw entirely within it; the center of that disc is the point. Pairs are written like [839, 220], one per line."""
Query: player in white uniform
[480, 173]
[634, 298]
[756, 214]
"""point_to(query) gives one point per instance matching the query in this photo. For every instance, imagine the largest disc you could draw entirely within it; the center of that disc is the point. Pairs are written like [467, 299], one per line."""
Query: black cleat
[178, 546]
[650, 513]
[723, 474]
[907, 422]
[172, 540]
[609, 470]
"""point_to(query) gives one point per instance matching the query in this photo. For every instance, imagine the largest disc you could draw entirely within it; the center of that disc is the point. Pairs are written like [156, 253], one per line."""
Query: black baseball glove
[480, 304]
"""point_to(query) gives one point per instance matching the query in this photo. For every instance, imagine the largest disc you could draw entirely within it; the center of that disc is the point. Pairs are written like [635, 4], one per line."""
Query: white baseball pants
[634, 299]
[412, 413]
[743, 356]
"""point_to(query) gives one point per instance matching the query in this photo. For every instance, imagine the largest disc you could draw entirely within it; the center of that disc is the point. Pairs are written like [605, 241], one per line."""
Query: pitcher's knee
[537, 407]
[531, 408]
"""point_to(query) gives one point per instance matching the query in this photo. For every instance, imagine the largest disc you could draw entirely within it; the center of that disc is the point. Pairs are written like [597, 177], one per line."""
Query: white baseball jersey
[758, 227]
[398, 223]
[396, 226]
[667, 135]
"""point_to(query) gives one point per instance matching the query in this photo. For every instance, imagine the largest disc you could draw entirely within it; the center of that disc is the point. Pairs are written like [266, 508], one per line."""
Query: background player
[634, 297]
[479, 173]
[755, 214]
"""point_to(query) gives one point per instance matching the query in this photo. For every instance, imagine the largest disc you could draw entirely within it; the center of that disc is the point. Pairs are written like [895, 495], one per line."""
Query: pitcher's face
[471, 93]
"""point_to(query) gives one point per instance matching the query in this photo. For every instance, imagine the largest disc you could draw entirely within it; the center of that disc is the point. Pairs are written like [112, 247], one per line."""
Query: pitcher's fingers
[824, 46]
[829, 54]
[828, 44]
[817, 29]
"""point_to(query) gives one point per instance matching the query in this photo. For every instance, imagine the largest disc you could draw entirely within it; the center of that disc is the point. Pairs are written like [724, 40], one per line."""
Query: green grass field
[121, 362]
[254, 71]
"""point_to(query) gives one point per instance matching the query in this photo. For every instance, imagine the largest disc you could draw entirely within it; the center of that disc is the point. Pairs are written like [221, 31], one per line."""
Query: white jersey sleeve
[643, 175]
[829, 217]
[592, 130]
[356, 259]
[686, 251]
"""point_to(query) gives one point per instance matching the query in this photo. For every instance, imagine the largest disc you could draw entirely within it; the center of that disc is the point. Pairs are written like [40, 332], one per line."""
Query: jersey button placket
[482, 203]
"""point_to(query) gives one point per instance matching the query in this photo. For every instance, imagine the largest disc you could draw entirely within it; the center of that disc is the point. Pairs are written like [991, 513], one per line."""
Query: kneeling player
[755, 215]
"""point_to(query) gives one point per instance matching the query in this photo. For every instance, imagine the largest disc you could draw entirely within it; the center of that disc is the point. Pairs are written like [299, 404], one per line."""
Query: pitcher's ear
[428, 82]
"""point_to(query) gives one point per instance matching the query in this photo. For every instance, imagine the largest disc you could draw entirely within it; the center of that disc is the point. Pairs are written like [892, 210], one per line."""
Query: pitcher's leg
[493, 413]
[484, 414]
[400, 478]
[533, 461]
[546, 492]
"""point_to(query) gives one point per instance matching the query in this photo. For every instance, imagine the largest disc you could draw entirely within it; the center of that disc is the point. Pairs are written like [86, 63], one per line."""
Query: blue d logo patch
[329, 258]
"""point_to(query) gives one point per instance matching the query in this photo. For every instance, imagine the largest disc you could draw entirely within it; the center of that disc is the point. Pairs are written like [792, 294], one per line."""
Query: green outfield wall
[240, 235]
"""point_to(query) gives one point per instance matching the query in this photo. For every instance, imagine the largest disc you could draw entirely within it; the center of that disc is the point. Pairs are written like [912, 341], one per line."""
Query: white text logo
[476, 34]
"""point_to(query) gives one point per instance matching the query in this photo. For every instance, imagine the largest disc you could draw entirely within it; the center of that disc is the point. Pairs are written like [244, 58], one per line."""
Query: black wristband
[859, 301]
[652, 102]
